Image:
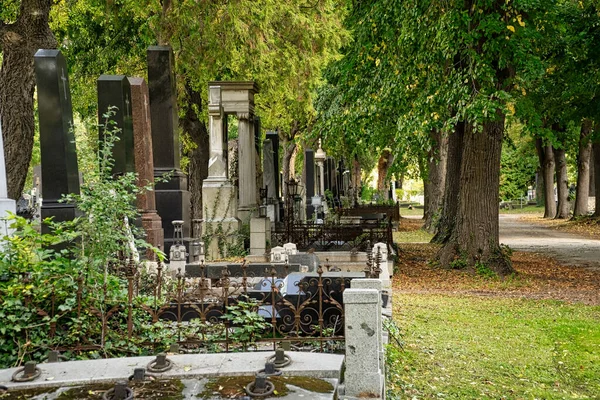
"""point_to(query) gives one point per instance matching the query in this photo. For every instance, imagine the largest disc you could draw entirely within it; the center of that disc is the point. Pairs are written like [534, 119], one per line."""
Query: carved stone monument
[144, 164]
[57, 142]
[114, 94]
[172, 197]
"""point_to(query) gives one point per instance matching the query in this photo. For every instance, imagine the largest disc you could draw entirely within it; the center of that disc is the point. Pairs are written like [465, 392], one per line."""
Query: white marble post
[6, 204]
[363, 376]
[219, 197]
[246, 166]
[376, 284]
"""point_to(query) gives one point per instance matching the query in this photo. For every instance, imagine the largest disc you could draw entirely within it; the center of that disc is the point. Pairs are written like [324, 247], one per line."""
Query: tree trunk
[583, 170]
[445, 224]
[475, 238]
[592, 190]
[596, 149]
[18, 44]
[289, 148]
[539, 187]
[196, 131]
[546, 158]
[383, 165]
[562, 186]
[436, 176]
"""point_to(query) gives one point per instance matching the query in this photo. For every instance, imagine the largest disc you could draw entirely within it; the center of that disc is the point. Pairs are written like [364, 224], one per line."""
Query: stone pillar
[114, 91]
[376, 284]
[247, 206]
[309, 183]
[60, 173]
[260, 232]
[6, 205]
[363, 376]
[219, 196]
[172, 197]
[144, 165]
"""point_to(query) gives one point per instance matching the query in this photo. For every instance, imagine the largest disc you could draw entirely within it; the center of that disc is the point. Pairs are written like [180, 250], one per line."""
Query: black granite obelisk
[172, 197]
[60, 173]
[114, 91]
[309, 176]
[274, 137]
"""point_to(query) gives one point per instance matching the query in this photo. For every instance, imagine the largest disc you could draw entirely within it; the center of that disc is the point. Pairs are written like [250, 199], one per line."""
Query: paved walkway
[567, 248]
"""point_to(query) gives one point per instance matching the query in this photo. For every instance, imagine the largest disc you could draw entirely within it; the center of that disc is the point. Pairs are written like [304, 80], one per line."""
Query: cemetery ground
[467, 335]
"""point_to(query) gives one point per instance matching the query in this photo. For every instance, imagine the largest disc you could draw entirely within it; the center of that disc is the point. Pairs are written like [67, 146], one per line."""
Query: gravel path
[567, 248]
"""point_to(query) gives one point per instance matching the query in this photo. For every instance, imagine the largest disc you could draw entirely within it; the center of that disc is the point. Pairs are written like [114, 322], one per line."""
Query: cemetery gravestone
[57, 142]
[6, 205]
[309, 176]
[114, 94]
[144, 164]
[172, 197]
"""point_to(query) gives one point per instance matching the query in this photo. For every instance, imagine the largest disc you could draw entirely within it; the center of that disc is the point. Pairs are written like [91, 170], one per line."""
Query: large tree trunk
[539, 187]
[196, 131]
[445, 224]
[475, 238]
[562, 186]
[289, 148]
[583, 170]
[383, 165]
[18, 43]
[546, 158]
[592, 190]
[436, 176]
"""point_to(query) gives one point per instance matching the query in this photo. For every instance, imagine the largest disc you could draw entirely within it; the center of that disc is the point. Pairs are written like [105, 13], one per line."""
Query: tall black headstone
[114, 91]
[274, 137]
[172, 197]
[60, 173]
[309, 176]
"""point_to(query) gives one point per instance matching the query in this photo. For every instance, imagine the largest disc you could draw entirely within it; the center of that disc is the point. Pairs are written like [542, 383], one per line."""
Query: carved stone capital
[245, 116]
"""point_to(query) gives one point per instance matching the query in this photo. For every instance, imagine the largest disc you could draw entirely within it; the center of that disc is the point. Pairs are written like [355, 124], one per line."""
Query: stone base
[6, 206]
[260, 235]
[152, 225]
[59, 212]
[246, 214]
[216, 247]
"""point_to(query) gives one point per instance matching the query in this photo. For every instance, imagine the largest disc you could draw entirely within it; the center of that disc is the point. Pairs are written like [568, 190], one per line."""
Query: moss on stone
[234, 386]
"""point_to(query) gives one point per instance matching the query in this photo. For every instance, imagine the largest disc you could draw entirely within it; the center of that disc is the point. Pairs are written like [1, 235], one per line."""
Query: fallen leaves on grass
[587, 226]
[537, 277]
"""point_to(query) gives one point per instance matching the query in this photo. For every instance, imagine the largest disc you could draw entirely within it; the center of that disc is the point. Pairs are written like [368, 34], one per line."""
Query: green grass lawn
[525, 210]
[416, 236]
[494, 348]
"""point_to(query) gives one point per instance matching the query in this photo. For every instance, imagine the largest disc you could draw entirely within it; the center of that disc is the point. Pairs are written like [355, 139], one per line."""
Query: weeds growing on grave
[78, 260]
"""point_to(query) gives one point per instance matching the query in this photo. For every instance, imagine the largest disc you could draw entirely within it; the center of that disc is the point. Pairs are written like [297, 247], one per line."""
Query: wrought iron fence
[390, 211]
[232, 312]
[329, 237]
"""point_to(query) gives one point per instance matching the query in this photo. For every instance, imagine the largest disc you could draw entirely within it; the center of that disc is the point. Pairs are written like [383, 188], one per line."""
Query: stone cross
[114, 90]
[144, 164]
[57, 142]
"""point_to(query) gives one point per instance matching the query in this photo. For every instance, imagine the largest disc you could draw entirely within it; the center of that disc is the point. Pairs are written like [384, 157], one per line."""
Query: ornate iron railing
[329, 237]
[390, 211]
[197, 312]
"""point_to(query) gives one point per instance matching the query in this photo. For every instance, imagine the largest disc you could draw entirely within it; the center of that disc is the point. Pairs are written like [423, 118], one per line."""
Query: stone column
[60, 173]
[309, 183]
[114, 91]
[376, 284]
[144, 164]
[219, 196]
[6, 205]
[363, 376]
[172, 197]
[247, 167]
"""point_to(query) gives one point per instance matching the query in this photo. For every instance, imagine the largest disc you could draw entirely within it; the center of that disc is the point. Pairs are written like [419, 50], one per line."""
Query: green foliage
[519, 164]
[247, 324]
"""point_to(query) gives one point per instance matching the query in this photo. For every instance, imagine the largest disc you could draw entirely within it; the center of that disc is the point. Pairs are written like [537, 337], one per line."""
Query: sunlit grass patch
[495, 348]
